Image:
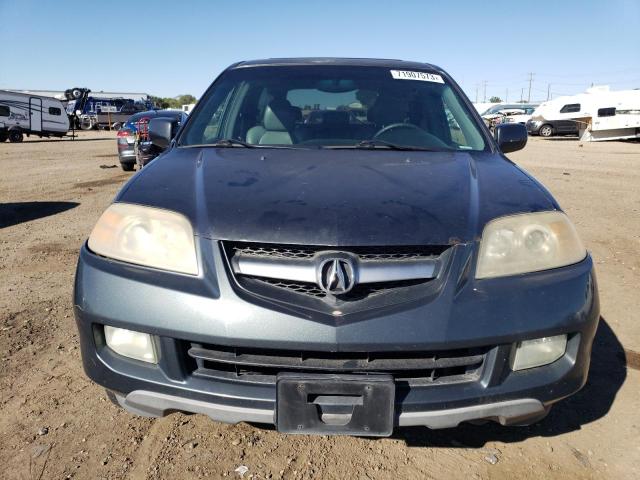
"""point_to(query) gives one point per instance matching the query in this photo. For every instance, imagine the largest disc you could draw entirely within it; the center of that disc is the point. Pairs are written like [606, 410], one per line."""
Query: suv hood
[336, 197]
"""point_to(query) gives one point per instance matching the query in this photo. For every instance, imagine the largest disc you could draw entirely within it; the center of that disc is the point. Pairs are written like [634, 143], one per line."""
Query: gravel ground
[54, 423]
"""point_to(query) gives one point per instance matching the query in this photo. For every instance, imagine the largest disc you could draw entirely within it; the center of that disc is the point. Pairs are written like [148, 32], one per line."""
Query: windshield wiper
[375, 143]
[230, 142]
[364, 144]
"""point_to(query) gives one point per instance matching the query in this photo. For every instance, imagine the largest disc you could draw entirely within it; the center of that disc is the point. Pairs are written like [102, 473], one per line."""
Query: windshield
[333, 107]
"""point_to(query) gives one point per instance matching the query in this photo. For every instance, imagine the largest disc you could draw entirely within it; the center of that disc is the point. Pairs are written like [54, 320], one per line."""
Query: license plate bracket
[335, 404]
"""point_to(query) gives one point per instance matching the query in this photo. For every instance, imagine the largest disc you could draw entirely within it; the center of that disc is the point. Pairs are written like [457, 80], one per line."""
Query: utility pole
[522, 95]
[506, 97]
[484, 95]
[476, 93]
[548, 91]
[530, 81]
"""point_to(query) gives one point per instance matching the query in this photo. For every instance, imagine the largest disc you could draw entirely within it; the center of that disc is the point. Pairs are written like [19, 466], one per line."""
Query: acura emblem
[336, 275]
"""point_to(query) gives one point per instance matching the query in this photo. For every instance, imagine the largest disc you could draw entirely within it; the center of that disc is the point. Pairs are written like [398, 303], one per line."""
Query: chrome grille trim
[304, 269]
[279, 268]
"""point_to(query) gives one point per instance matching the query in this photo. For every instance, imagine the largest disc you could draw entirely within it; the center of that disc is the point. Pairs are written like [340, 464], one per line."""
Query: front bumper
[533, 128]
[507, 412]
[494, 313]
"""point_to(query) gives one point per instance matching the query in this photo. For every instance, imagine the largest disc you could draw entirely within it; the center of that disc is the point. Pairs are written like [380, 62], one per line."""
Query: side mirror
[510, 136]
[161, 132]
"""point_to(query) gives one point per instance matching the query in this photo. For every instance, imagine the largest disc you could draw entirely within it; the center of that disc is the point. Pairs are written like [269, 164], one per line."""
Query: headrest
[388, 110]
[335, 117]
[280, 116]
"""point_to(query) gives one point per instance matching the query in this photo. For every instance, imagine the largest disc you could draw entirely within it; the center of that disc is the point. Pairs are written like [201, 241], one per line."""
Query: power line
[591, 74]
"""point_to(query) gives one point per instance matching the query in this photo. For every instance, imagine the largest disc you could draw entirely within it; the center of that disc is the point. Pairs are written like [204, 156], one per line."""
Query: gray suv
[336, 246]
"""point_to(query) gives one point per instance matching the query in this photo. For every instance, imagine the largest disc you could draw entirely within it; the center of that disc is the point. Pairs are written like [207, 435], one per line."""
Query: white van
[23, 113]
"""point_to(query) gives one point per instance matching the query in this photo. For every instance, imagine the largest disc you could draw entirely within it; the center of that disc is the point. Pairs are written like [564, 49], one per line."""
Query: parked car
[557, 117]
[128, 135]
[507, 106]
[395, 273]
[503, 116]
[519, 115]
[549, 128]
[126, 139]
[508, 113]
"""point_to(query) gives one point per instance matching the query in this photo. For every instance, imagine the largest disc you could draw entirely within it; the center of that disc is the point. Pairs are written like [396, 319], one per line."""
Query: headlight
[145, 236]
[528, 243]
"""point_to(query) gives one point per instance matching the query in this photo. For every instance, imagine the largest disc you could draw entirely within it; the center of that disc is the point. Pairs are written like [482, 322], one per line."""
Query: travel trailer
[598, 114]
[24, 114]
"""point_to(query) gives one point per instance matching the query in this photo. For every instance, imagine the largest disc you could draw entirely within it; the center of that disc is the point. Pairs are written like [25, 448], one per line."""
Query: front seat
[278, 123]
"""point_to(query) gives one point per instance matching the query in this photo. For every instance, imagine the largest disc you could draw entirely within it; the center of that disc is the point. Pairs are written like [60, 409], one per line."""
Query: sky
[167, 48]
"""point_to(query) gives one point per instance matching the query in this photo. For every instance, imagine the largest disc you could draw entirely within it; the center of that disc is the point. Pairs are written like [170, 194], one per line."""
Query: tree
[185, 99]
[173, 102]
[159, 102]
[495, 100]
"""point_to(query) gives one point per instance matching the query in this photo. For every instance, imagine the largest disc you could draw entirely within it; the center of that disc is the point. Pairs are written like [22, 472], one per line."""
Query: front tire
[546, 131]
[16, 136]
[3, 137]
[128, 167]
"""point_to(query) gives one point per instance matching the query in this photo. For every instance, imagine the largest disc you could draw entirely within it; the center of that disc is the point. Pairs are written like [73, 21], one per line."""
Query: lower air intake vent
[262, 365]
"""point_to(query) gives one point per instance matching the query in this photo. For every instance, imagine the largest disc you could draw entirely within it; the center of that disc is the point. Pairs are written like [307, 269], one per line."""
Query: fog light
[130, 344]
[538, 352]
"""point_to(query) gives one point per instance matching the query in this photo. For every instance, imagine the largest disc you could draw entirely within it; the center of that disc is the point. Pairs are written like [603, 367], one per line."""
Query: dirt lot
[54, 423]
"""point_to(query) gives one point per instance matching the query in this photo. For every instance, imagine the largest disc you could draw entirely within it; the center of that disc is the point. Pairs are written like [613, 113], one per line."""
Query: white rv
[598, 114]
[24, 114]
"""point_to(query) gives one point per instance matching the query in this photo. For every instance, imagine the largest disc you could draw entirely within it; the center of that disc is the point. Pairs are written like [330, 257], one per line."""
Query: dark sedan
[385, 266]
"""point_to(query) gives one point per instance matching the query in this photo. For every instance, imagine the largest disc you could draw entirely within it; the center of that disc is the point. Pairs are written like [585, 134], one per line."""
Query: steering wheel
[397, 126]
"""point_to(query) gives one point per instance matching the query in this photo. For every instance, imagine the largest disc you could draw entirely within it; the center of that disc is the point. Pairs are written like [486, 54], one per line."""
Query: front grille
[263, 365]
[365, 253]
[304, 288]
[270, 286]
[266, 250]
[359, 291]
